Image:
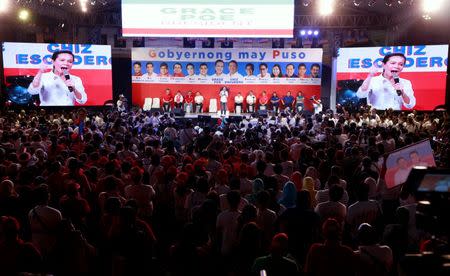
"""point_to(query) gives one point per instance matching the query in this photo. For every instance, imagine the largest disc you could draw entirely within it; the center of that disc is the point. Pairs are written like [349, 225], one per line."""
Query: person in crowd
[388, 90]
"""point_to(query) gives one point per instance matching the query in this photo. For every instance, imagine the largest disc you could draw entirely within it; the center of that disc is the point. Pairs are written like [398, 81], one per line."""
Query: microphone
[397, 80]
[67, 76]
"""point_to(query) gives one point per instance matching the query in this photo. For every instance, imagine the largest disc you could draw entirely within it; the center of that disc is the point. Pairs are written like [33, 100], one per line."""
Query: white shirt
[381, 94]
[267, 76]
[317, 107]
[251, 99]
[178, 98]
[53, 91]
[198, 99]
[238, 99]
[151, 76]
[235, 76]
[223, 96]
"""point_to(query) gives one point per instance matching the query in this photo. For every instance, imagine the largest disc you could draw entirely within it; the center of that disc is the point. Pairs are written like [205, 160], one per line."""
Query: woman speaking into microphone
[58, 87]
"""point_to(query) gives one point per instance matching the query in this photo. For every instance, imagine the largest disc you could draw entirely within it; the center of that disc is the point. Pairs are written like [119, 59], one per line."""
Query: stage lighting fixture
[24, 15]
[426, 17]
[4, 5]
[302, 32]
[430, 6]
[326, 7]
[316, 33]
[388, 2]
[357, 3]
[310, 32]
[372, 3]
[306, 3]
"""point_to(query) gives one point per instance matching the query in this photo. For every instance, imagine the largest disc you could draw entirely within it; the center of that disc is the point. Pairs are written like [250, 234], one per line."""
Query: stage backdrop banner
[92, 64]
[206, 18]
[207, 70]
[425, 68]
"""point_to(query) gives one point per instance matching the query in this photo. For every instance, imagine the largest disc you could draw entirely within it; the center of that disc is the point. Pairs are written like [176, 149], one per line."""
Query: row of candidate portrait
[222, 71]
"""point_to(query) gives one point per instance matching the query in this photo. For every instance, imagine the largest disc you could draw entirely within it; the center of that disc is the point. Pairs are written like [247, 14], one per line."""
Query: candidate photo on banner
[57, 74]
[393, 77]
[241, 70]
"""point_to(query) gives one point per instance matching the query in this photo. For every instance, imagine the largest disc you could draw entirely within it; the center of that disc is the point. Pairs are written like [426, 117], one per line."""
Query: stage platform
[213, 115]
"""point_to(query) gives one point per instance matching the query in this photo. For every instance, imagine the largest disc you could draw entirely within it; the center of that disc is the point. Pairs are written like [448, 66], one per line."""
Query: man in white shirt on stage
[198, 99]
[150, 73]
[388, 90]
[251, 101]
[58, 87]
[238, 100]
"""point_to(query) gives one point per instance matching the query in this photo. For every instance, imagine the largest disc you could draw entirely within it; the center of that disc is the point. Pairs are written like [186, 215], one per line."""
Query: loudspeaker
[178, 111]
[262, 113]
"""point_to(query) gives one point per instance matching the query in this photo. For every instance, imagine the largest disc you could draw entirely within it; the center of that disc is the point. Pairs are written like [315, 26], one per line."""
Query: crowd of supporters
[135, 193]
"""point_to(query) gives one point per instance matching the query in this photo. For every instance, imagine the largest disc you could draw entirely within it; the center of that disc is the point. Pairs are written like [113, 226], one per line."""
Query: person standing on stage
[238, 100]
[275, 102]
[178, 99]
[387, 90]
[299, 102]
[198, 102]
[188, 108]
[167, 100]
[288, 101]
[251, 101]
[263, 100]
[223, 94]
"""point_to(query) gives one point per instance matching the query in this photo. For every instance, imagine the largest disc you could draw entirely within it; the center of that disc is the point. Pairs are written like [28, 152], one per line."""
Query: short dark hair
[57, 53]
[149, 63]
[233, 61]
[137, 63]
[388, 56]
[164, 64]
[177, 63]
[315, 65]
[187, 65]
[302, 64]
[217, 61]
[251, 66]
[263, 64]
[290, 64]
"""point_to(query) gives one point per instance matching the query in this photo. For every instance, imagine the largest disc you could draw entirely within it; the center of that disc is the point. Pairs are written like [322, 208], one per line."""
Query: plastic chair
[147, 104]
[156, 103]
[212, 105]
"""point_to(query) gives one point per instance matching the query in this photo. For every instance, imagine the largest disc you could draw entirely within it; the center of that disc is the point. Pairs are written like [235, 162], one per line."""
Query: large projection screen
[207, 18]
[90, 71]
[425, 69]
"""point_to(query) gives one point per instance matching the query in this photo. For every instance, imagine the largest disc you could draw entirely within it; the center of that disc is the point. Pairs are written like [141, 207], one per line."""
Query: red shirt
[263, 99]
[189, 99]
[168, 98]
[179, 75]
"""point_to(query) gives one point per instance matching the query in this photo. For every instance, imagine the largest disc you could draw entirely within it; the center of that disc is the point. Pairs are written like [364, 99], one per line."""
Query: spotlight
[357, 3]
[310, 32]
[4, 5]
[426, 17]
[302, 32]
[430, 6]
[388, 3]
[306, 3]
[372, 3]
[316, 33]
[326, 7]
[400, 2]
[24, 15]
